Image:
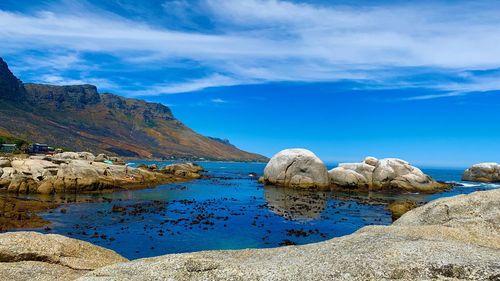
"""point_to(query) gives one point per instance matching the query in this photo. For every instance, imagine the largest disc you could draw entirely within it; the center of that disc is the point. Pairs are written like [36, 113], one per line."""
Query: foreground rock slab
[296, 168]
[35, 256]
[448, 239]
[483, 172]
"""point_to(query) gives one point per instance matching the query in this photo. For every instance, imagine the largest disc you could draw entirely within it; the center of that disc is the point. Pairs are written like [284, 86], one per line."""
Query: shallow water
[228, 210]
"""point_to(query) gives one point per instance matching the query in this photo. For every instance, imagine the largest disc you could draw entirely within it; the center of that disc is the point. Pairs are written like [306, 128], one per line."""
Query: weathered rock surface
[35, 256]
[39, 271]
[483, 172]
[8, 172]
[37, 169]
[77, 172]
[447, 239]
[4, 162]
[389, 173]
[101, 157]
[76, 155]
[186, 170]
[296, 168]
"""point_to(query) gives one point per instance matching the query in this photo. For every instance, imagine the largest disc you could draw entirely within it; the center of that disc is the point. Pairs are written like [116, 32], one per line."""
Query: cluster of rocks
[184, 170]
[455, 238]
[389, 173]
[303, 169]
[483, 172]
[84, 156]
[77, 172]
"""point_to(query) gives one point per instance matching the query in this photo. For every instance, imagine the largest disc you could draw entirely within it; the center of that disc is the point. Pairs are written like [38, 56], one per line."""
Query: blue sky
[346, 79]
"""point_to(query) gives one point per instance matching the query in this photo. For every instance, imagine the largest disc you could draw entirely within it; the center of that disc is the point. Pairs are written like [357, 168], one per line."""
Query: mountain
[82, 119]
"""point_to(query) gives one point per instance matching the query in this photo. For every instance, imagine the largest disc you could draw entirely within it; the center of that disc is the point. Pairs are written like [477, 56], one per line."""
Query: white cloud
[216, 80]
[257, 41]
[434, 96]
[54, 61]
[473, 84]
[218, 100]
[60, 80]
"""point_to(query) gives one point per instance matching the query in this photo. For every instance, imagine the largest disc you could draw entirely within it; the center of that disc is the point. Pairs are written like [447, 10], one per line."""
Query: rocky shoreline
[449, 238]
[72, 173]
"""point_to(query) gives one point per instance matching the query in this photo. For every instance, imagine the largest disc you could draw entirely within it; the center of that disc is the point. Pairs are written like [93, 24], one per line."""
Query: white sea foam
[479, 184]
[469, 184]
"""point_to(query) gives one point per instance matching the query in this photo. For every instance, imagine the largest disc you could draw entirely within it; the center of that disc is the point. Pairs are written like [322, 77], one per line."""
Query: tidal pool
[228, 209]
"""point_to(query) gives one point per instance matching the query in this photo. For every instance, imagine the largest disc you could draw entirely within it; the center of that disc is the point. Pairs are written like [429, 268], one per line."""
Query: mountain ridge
[78, 117]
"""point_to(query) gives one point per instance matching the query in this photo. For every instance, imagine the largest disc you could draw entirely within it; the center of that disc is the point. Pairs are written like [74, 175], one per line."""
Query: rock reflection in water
[295, 204]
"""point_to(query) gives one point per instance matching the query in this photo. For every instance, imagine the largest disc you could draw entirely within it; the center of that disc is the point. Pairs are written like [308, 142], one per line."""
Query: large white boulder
[4, 162]
[389, 173]
[75, 156]
[101, 157]
[37, 169]
[483, 172]
[78, 169]
[185, 170]
[363, 169]
[66, 155]
[8, 172]
[296, 168]
[391, 168]
[345, 177]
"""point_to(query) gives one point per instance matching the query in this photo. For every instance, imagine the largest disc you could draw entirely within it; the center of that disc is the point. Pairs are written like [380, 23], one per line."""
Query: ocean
[228, 209]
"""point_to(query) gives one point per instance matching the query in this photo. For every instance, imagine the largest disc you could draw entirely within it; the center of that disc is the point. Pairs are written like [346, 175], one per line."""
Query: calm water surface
[228, 210]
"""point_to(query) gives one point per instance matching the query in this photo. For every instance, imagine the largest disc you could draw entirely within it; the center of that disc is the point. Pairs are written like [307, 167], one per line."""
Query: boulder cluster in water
[83, 172]
[303, 169]
[483, 172]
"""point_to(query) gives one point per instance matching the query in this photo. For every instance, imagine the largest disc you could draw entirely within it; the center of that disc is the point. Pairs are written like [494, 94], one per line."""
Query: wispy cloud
[218, 100]
[469, 84]
[260, 41]
[60, 80]
[216, 80]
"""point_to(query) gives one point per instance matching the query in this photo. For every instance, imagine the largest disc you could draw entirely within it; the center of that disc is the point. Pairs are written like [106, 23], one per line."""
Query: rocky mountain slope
[81, 119]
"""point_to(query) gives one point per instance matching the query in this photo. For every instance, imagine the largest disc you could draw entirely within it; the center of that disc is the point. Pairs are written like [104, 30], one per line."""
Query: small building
[38, 148]
[8, 148]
